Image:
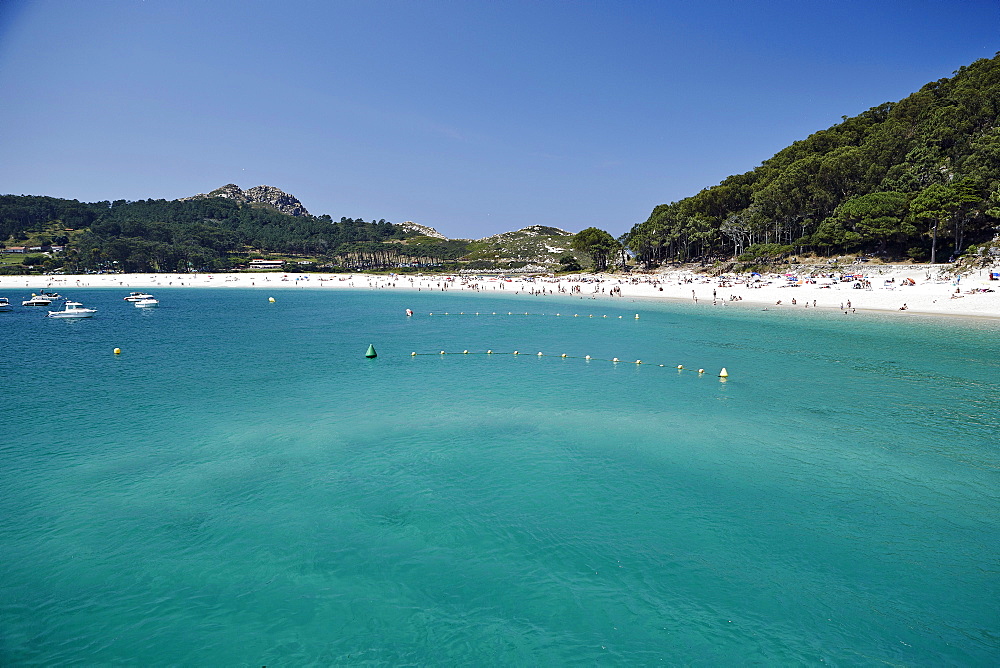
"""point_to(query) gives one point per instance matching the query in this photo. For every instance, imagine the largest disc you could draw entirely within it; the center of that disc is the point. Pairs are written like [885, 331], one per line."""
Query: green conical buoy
[371, 354]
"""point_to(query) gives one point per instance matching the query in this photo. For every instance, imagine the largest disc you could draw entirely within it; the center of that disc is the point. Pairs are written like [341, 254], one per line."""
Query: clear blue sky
[471, 117]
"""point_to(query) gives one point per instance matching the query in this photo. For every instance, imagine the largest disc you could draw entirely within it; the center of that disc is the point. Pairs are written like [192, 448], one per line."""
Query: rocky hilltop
[544, 232]
[268, 195]
[423, 230]
[536, 246]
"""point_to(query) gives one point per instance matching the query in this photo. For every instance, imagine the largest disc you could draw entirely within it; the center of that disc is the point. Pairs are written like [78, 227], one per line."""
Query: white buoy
[413, 354]
[516, 353]
[564, 354]
[680, 366]
[636, 316]
[465, 352]
[587, 357]
[118, 351]
[614, 359]
[701, 371]
[723, 373]
[442, 352]
[270, 299]
[489, 352]
[638, 361]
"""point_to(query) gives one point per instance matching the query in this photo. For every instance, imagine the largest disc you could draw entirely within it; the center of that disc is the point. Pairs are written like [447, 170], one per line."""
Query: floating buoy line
[680, 368]
[723, 373]
[438, 314]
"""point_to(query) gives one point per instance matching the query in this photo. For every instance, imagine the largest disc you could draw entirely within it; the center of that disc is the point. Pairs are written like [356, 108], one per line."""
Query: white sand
[933, 291]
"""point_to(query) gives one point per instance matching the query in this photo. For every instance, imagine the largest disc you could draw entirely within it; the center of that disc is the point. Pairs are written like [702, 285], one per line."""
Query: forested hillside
[216, 233]
[918, 178]
[205, 234]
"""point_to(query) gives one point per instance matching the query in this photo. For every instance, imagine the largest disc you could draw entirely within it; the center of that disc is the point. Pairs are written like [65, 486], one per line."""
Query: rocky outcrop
[530, 231]
[410, 226]
[537, 245]
[269, 195]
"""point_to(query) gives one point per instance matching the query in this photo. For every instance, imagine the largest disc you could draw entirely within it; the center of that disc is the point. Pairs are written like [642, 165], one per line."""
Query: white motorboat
[5, 304]
[73, 310]
[146, 303]
[137, 296]
[37, 300]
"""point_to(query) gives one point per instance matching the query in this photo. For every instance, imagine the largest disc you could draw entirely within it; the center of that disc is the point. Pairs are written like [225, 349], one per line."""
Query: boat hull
[64, 314]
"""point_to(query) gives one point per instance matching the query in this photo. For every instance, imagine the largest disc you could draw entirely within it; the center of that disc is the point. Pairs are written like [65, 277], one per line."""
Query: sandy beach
[906, 289]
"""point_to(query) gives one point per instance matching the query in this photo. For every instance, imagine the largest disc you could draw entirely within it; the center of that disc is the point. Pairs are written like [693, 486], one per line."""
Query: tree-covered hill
[203, 234]
[918, 178]
[215, 233]
[535, 245]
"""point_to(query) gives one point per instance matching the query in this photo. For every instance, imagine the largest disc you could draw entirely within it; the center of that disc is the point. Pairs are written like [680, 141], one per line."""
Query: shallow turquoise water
[242, 487]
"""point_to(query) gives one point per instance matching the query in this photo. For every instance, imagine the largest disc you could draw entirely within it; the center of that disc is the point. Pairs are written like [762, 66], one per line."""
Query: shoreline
[881, 289]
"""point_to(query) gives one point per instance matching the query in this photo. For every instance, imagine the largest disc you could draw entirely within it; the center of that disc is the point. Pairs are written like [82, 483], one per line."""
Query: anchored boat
[37, 300]
[73, 310]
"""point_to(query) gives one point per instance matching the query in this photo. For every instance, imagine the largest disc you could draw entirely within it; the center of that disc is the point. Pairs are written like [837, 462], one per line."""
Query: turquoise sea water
[242, 487]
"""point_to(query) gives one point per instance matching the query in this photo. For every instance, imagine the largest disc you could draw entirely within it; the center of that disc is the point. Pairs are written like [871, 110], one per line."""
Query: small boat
[146, 303]
[73, 310]
[5, 304]
[137, 296]
[37, 300]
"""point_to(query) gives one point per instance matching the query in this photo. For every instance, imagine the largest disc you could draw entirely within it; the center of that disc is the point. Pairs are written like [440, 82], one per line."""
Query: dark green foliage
[876, 219]
[598, 244]
[918, 174]
[568, 262]
[19, 213]
[765, 253]
[205, 234]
